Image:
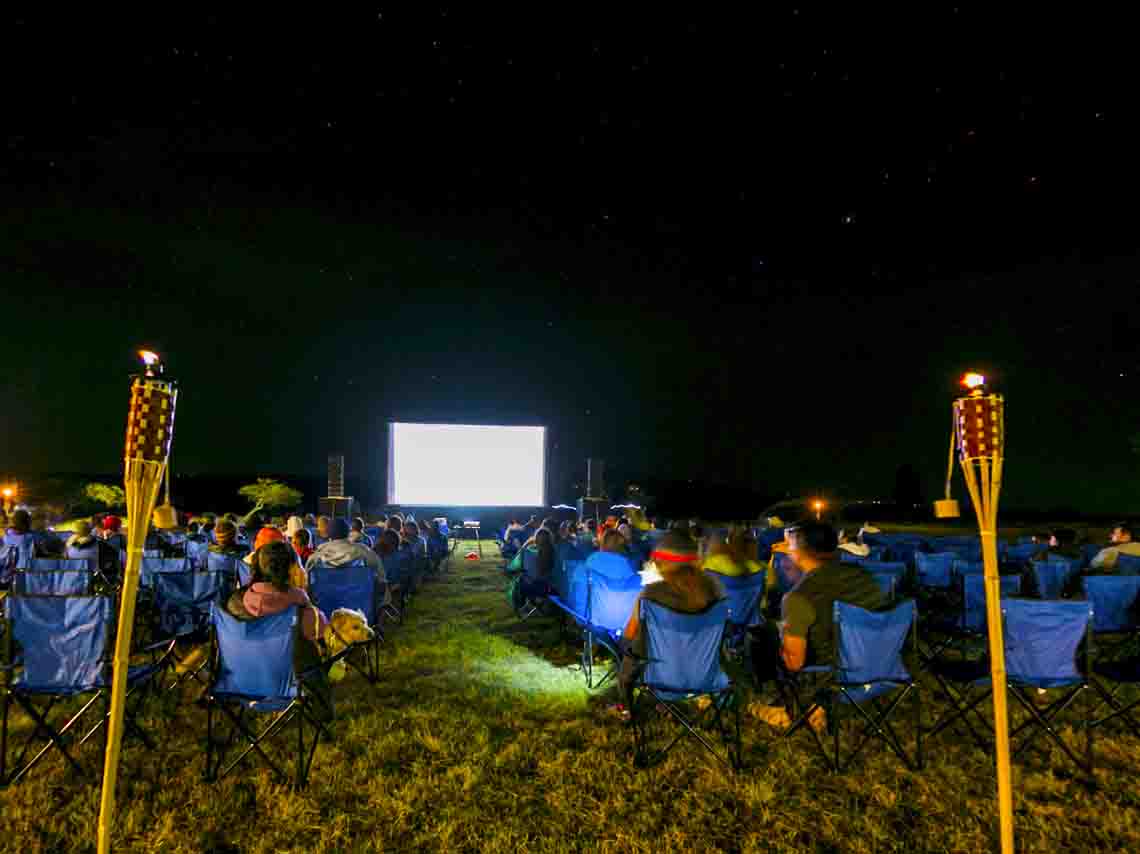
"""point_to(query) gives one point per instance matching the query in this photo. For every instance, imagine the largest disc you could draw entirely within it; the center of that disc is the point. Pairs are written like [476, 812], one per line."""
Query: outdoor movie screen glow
[466, 465]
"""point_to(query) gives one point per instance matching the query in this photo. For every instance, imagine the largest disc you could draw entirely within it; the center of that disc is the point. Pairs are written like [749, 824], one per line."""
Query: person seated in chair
[300, 542]
[735, 557]
[271, 593]
[612, 561]
[84, 545]
[338, 551]
[536, 585]
[1120, 543]
[683, 587]
[323, 527]
[225, 532]
[808, 635]
[357, 535]
[113, 532]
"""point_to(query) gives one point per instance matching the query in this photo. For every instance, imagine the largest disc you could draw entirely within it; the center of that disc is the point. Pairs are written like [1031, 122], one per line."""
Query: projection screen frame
[391, 474]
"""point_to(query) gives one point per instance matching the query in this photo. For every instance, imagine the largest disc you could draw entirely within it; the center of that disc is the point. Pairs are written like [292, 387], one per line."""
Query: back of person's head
[192, 529]
[591, 525]
[613, 541]
[411, 530]
[395, 523]
[1125, 529]
[1064, 536]
[389, 541]
[323, 525]
[267, 535]
[21, 521]
[274, 560]
[338, 529]
[816, 538]
[225, 531]
[301, 537]
[433, 526]
[676, 558]
[111, 524]
[543, 538]
[310, 520]
[358, 524]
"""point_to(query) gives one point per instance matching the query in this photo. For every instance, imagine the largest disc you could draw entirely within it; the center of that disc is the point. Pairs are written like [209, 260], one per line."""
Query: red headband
[674, 557]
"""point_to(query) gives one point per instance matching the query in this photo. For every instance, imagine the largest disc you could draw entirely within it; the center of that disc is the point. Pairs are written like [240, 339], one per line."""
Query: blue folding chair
[868, 683]
[55, 577]
[254, 674]
[1041, 639]
[353, 586]
[888, 582]
[609, 605]
[1022, 552]
[744, 594]
[1115, 600]
[56, 648]
[1127, 564]
[398, 571]
[934, 571]
[683, 663]
[1049, 577]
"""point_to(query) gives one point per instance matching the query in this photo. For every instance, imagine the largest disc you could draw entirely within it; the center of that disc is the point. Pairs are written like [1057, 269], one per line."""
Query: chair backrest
[349, 586]
[55, 577]
[64, 641]
[530, 562]
[611, 600]
[684, 649]
[255, 656]
[1127, 564]
[934, 570]
[397, 566]
[230, 565]
[743, 594]
[969, 567]
[888, 582]
[788, 575]
[848, 557]
[197, 552]
[1024, 551]
[974, 598]
[183, 599]
[1041, 640]
[869, 644]
[1070, 566]
[894, 567]
[151, 565]
[1113, 599]
[1050, 577]
[562, 572]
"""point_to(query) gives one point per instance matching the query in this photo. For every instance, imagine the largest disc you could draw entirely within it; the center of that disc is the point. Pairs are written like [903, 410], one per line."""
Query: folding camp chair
[683, 663]
[181, 612]
[610, 604]
[55, 649]
[934, 571]
[1115, 600]
[254, 675]
[744, 594]
[395, 571]
[1049, 578]
[355, 587]
[867, 684]
[1042, 639]
[888, 583]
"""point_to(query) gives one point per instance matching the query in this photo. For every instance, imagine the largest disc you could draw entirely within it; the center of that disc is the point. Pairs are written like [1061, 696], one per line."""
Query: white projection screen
[466, 465]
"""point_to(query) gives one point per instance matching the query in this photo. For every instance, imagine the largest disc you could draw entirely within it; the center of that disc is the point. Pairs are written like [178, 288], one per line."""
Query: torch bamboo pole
[985, 506]
[142, 480]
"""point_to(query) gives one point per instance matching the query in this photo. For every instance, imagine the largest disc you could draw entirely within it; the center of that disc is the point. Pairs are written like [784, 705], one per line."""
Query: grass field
[483, 737]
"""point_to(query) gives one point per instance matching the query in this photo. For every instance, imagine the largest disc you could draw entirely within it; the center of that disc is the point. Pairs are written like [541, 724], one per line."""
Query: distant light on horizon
[972, 380]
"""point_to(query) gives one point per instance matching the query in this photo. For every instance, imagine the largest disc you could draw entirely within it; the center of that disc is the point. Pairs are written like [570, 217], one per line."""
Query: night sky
[749, 251]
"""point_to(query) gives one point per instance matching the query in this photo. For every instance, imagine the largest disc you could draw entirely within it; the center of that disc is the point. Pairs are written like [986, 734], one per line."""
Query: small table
[470, 525]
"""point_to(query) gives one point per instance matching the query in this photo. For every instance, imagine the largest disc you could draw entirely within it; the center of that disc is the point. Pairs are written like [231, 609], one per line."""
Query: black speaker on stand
[337, 505]
[595, 503]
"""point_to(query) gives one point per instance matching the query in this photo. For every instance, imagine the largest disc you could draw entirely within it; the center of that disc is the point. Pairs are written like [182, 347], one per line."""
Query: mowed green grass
[482, 737]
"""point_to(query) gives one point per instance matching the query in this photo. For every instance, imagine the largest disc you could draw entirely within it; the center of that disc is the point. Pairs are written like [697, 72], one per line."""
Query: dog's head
[346, 627]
